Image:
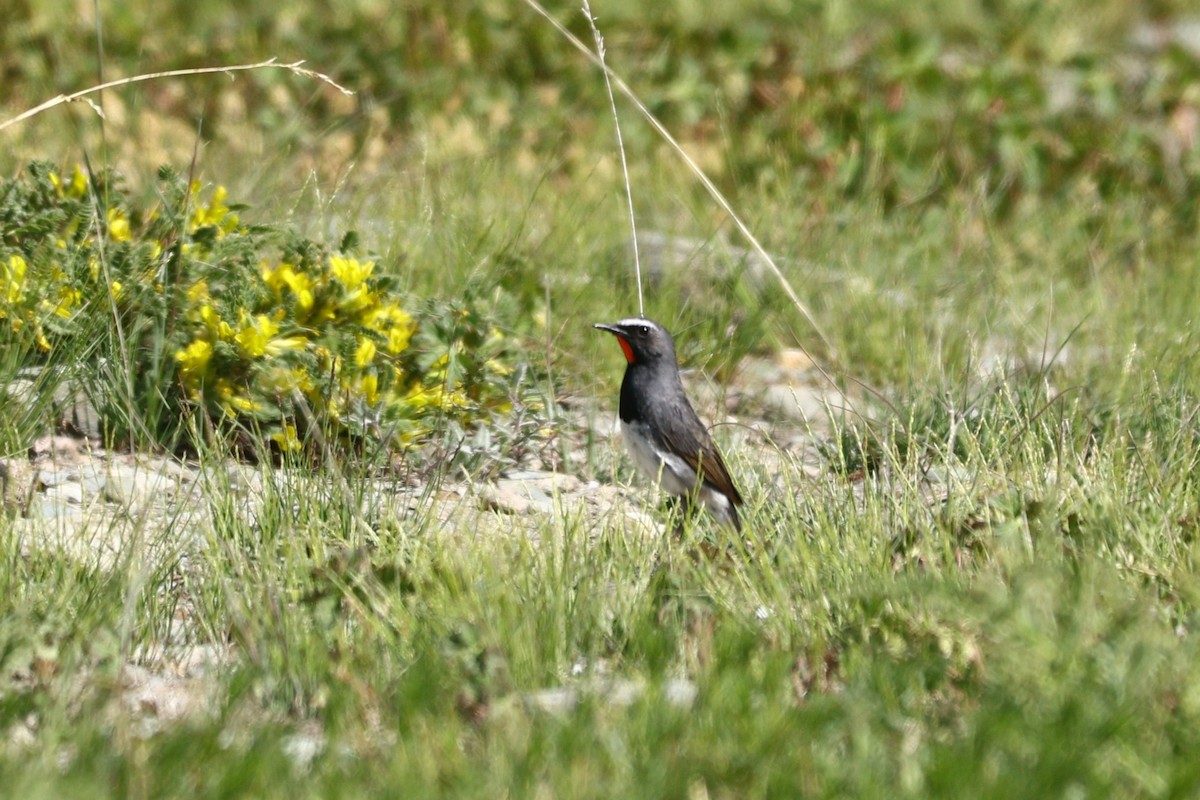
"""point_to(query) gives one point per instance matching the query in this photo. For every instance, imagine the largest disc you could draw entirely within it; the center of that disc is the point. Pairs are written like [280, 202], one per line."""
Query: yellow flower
[286, 439]
[358, 301]
[368, 385]
[301, 287]
[497, 367]
[68, 298]
[399, 337]
[198, 292]
[118, 225]
[116, 287]
[78, 187]
[257, 338]
[215, 213]
[193, 361]
[365, 353]
[335, 408]
[273, 277]
[350, 272]
[217, 327]
[299, 283]
[256, 334]
[394, 323]
[421, 397]
[384, 314]
[195, 357]
[12, 286]
[232, 402]
[284, 344]
[282, 380]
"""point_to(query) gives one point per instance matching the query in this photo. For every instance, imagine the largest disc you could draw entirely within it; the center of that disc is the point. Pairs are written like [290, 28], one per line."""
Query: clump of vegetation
[249, 327]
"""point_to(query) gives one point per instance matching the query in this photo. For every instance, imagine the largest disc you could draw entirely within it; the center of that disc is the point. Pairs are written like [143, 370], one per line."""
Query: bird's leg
[703, 543]
[687, 510]
[679, 508]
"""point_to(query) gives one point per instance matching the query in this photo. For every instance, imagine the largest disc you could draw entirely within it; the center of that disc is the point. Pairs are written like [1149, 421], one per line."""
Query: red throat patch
[626, 348]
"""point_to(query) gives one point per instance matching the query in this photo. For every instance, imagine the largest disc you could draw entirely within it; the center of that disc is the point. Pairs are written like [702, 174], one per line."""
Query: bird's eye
[644, 329]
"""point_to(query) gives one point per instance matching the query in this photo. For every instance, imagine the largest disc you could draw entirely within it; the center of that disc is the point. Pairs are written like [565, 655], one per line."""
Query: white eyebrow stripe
[639, 321]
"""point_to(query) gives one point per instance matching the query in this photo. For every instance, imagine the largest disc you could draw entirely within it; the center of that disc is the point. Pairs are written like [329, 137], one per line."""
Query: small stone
[164, 697]
[304, 746]
[17, 486]
[554, 701]
[794, 360]
[43, 507]
[202, 659]
[51, 475]
[78, 415]
[92, 476]
[66, 492]
[527, 491]
[22, 735]
[680, 693]
[799, 403]
[619, 692]
[622, 693]
[135, 485]
[22, 391]
[59, 448]
[497, 498]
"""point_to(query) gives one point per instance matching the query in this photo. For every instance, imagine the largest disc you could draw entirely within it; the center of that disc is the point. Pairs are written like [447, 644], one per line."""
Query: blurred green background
[899, 102]
[1048, 143]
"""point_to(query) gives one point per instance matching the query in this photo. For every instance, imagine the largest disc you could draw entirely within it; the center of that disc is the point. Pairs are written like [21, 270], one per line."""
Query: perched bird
[662, 432]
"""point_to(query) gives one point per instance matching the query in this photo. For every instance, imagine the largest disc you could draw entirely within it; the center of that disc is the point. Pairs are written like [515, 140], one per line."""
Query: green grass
[989, 587]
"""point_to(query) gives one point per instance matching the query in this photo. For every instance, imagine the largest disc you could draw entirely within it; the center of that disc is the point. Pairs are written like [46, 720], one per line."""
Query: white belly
[666, 469]
[672, 473]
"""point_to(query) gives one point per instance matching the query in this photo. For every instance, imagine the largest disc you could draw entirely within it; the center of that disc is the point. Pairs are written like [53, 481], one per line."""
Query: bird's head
[642, 340]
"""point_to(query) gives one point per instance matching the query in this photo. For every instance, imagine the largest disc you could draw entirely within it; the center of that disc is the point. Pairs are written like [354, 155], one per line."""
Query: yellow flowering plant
[39, 292]
[255, 328]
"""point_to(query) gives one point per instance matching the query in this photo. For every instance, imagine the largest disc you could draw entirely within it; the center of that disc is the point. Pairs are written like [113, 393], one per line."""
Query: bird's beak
[617, 331]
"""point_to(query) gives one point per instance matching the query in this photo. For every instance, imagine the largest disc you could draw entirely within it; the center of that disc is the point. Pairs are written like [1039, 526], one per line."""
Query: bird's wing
[696, 447]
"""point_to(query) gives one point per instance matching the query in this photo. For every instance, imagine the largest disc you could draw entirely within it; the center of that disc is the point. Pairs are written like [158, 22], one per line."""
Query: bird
[668, 442]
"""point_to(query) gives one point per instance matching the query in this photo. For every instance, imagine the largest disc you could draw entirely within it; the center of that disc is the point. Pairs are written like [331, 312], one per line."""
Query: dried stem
[270, 63]
[713, 191]
[612, 102]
